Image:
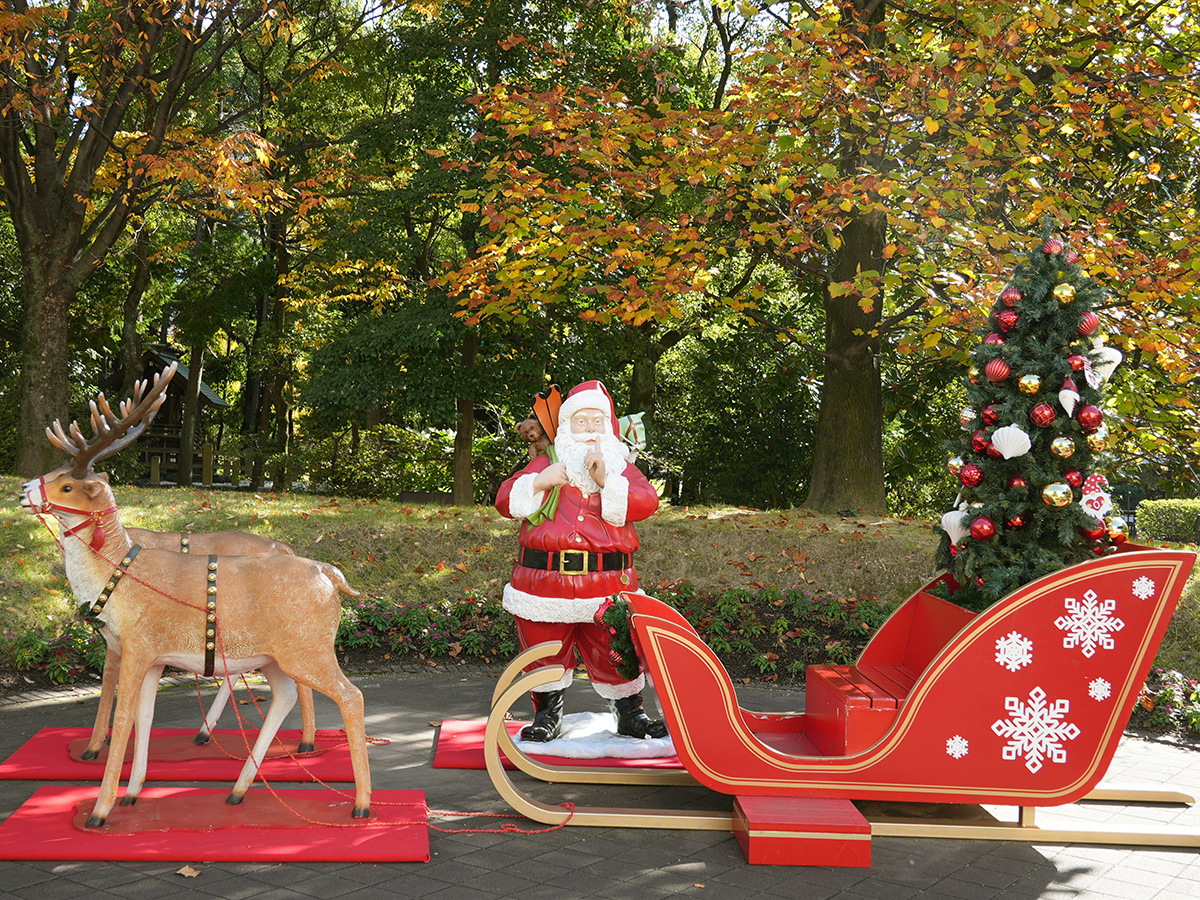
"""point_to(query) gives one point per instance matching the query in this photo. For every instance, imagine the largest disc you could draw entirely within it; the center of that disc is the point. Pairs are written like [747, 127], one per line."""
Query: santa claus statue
[578, 502]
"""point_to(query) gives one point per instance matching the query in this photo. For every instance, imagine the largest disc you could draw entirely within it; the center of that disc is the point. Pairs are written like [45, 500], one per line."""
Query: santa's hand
[595, 466]
[550, 477]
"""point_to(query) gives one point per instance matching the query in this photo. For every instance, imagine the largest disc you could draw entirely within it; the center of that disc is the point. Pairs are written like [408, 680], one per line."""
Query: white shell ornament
[1105, 361]
[1011, 441]
[956, 525]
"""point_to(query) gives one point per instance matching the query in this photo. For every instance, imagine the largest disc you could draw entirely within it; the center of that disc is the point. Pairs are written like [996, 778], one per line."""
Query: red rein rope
[46, 508]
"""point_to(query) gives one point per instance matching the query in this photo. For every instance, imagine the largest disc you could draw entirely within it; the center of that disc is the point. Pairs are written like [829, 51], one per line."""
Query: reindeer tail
[339, 580]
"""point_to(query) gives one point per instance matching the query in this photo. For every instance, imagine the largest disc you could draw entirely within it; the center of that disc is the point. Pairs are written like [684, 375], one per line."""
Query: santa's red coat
[578, 524]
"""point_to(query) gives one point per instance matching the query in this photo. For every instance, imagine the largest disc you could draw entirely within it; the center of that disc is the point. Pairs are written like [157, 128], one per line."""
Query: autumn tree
[100, 120]
[884, 155]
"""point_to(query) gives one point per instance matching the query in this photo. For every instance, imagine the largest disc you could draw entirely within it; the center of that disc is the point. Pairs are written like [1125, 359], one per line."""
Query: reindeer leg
[283, 698]
[141, 736]
[134, 672]
[308, 720]
[350, 703]
[108, 690]
[204, 735]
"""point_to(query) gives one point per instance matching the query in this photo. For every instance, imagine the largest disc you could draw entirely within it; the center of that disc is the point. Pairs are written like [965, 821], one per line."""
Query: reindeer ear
[94, 488]
[103, 476]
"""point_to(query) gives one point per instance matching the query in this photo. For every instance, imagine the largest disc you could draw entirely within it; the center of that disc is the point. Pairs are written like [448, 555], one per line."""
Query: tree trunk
[191, 411]
[847, 469]
[464, 434]
[44, 386]
[131, 338]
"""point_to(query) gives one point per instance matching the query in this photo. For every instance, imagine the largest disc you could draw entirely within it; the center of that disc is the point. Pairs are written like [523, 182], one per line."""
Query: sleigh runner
[1020, 705]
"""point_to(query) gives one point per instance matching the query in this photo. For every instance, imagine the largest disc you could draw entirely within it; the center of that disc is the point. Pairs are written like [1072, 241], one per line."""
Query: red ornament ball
[971, 475]
[980, 441]
[1072, 257]
[1090, 417]
[1016, 521]
[1042, 414]
[1088, 323]
[996, 371]
[1073, 477]
[1017, 481]
[1077, 362]
[1007, 319]
[954, 549]
[1010, 296]
[993, 338]
[990, 415]
[615, 658]
[979, 580]
[1052, 247]
[1096, 531]
[983, 529]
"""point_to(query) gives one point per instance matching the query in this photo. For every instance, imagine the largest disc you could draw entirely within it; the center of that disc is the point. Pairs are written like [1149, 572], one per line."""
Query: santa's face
[589, 421]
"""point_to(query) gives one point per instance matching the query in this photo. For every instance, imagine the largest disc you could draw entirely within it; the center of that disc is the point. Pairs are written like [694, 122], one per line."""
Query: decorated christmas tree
[1029, 502]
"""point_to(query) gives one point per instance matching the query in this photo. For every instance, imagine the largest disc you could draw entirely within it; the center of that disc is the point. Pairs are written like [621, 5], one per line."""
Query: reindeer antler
[110, 433]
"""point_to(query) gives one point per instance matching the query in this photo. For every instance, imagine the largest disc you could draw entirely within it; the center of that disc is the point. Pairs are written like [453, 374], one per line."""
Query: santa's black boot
[632, 719]
[547, 716]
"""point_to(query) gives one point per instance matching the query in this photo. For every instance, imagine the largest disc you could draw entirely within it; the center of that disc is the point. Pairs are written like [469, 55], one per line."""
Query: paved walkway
[598, 862]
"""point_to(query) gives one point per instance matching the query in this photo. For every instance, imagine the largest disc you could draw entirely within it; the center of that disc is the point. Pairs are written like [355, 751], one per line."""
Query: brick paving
[608, 863]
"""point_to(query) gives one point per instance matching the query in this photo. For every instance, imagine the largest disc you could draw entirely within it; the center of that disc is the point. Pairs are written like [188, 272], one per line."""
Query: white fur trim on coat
[561, 685]
[614, 499]
[550, 609]
[620, 691]
[523, 500]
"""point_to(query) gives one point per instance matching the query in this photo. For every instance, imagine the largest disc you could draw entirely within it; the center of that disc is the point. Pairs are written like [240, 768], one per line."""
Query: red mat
[460, 746]
[164, 825]
[53, 754]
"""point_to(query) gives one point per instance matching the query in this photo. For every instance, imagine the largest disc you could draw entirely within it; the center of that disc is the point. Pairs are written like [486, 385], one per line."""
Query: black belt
[575, 562]
[92, 615]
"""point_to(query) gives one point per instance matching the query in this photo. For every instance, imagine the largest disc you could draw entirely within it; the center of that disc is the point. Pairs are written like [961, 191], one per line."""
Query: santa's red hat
[589, 395]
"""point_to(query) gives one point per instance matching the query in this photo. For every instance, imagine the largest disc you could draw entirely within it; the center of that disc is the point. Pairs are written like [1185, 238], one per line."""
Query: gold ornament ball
[1029, 384]
[1117, 525]
[955, 464]
[1096, 442]
[1057, 494]
[1062, 447]
[967, 416]
[1064, 293]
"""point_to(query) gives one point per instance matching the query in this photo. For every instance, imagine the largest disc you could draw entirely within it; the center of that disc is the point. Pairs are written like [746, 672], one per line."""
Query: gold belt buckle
[562, 560]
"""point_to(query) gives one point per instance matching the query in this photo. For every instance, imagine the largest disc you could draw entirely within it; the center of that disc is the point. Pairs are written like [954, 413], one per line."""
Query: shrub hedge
[1169, 520]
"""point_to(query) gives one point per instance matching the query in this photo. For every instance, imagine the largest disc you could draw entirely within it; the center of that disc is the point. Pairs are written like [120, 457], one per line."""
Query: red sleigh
[1021, 705]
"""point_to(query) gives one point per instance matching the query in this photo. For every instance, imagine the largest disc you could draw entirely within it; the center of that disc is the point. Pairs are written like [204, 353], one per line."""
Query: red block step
[801, 831]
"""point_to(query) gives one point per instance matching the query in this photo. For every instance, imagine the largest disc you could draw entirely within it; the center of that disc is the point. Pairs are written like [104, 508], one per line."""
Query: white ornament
[1067, 400]
[1099, 689]
[957, 746]
[1014, 650]
[1090, 624]
[1143, 588]
[956, 525]
[1035, 730]
[1089, 374]
[1106, 360]
[1011, 441]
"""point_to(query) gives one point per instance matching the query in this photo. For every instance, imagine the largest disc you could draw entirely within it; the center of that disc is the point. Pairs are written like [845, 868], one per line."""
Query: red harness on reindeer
[94, 517]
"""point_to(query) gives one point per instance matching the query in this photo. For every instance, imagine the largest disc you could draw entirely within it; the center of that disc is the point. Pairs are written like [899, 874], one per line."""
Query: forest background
[377, 228]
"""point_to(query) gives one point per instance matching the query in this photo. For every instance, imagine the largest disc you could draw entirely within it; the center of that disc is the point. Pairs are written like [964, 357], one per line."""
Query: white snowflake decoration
[1014, 650]
[957, 746]
[1099, 689]
[1036, 730]
[1090, 624]
[1143, 588]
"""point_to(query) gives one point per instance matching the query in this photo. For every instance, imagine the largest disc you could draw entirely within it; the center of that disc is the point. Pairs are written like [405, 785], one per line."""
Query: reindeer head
[74, 490]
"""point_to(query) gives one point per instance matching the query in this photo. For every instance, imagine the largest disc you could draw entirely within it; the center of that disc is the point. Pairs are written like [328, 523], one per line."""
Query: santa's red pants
[591, 640]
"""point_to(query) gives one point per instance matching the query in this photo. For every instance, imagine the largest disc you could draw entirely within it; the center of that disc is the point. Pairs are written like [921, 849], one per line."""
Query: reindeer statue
[155, 607]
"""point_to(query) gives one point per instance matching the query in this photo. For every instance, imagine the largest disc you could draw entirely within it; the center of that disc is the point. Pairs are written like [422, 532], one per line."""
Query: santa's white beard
[572, 448]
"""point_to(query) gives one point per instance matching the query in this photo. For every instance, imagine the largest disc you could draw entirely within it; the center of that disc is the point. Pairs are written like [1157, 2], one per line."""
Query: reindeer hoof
[361, 812]
[235, 799]
[89, 755]
[201, 739]
[306, 747]
[128, 801]
[94, 822]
